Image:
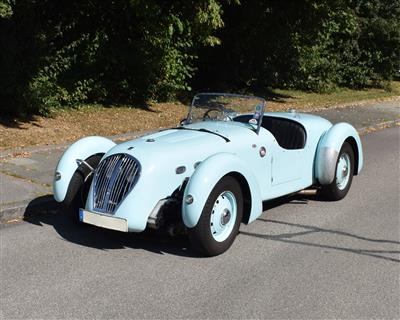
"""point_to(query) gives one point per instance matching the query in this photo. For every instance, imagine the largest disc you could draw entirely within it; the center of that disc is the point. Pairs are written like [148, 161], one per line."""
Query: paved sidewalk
[26, 173]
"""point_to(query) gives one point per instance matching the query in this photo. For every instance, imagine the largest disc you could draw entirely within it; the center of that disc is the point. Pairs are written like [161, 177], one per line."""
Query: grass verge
[69, 125]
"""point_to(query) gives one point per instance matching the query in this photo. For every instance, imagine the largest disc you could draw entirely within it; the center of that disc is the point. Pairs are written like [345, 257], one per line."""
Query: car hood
[168, 144]
[185, 145]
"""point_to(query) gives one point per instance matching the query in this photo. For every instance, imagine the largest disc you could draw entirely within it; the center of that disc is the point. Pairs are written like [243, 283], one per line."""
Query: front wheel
[220, 219]
[344, 172]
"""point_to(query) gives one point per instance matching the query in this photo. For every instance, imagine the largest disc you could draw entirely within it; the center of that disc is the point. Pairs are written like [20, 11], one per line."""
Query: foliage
[305, 44]
[67, 52]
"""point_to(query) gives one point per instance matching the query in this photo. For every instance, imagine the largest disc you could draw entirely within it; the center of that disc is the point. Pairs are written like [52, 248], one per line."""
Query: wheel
[78, 188]
[220, 219]
[344, 172]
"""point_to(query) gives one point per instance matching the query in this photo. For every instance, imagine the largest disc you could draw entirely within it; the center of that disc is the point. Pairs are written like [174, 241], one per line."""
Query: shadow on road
[45, 210]
[287, 237]
[49, 212]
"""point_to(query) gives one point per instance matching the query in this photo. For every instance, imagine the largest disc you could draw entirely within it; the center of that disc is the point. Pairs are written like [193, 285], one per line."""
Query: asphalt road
[302, 259]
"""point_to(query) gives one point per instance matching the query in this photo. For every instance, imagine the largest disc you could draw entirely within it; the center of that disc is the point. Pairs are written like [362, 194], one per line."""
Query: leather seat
[288, 133]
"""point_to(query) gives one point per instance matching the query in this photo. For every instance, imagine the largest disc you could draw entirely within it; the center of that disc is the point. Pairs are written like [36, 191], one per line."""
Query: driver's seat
[288, 133]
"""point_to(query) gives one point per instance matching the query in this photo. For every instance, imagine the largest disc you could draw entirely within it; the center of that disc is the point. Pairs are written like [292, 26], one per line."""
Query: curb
[379, 126]
[34, 149]
[23, 209]
[46, 203]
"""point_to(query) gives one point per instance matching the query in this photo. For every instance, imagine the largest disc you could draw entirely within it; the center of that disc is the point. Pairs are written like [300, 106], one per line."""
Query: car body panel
[206, 176]
[67, 165]
[293, 170]
[329, 148]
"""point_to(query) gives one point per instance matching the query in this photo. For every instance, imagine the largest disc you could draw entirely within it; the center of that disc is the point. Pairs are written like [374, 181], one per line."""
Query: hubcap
[223, 216]
[343, 171]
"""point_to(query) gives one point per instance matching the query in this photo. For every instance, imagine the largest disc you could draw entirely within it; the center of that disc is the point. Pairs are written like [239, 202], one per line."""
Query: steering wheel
[207, 113]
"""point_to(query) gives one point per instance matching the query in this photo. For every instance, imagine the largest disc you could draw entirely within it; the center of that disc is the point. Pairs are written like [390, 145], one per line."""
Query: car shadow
[290, 237]
[46, 211]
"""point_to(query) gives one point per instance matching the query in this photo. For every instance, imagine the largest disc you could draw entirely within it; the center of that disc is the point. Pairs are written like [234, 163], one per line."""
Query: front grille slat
[107, 167]
[99, 190]
[111, 183]
[104, 191]
[122, 178]
[114, 178]
[128, 185]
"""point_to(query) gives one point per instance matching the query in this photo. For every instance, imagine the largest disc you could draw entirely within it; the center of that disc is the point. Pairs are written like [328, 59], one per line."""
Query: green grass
[342, 96]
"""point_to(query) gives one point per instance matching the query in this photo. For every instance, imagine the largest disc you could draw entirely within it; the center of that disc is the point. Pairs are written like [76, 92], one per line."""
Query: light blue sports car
[209, 174]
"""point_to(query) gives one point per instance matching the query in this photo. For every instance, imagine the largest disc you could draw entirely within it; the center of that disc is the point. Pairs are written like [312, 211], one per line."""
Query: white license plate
[103, 221]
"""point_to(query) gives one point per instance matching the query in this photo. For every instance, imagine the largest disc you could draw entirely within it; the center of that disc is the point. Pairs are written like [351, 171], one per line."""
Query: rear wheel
[79, 185]
[344, 172]
[220, 219]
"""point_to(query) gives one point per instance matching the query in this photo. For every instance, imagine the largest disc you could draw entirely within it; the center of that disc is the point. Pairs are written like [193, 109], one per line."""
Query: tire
[220, 219]
[341, 183]
[78, 188]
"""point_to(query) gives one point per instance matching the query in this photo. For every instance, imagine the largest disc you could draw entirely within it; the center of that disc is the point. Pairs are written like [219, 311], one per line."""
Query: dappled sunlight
[67, 126]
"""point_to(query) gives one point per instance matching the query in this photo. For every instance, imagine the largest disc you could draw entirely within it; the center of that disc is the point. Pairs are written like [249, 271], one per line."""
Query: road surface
[302, 259]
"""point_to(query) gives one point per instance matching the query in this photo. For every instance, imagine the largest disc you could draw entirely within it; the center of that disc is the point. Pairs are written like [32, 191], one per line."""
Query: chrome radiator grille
[113, 179]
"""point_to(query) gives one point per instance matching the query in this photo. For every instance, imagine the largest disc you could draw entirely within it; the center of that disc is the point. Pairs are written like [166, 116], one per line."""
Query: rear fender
[329, 148]
[206, 176]
[67, 165]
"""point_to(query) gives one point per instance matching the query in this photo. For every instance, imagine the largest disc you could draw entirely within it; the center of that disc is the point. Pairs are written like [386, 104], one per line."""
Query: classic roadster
[210, 173]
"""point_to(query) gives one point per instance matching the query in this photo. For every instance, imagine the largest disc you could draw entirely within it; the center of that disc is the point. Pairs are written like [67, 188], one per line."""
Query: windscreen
[225, 107]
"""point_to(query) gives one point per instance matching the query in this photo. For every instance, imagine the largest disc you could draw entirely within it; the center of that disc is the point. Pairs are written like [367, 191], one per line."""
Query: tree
[306, 44]
[68, 52]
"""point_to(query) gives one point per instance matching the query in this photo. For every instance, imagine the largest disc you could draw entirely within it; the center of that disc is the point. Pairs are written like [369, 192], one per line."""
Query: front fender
[206, 176]
[329, 148]
[67, 165]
